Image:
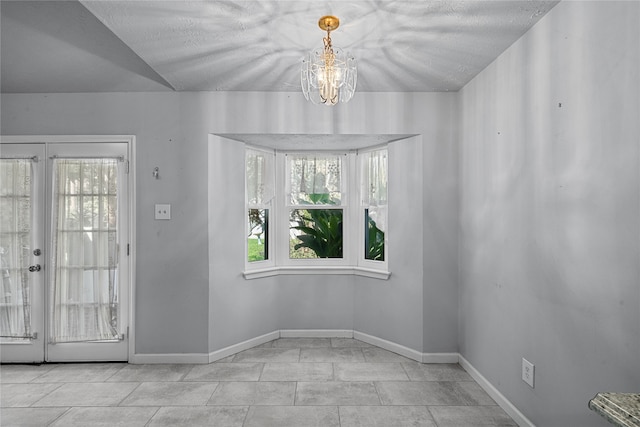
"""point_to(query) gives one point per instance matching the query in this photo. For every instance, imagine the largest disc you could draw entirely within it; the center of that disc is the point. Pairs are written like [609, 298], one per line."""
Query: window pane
[315, 233]
[259, 178]
[373, 239]
[258, 238]
[374, 178]
[315, 179]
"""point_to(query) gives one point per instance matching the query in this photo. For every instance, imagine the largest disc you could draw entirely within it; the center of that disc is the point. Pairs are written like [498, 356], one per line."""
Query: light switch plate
[163, 211]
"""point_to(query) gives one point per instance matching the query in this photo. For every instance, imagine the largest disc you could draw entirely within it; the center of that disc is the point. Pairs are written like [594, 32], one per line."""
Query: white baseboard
[316, 333]
[244, 345]
[502, 401]
[202, 358]
[388, 345]
[440, 357]
[172, 358]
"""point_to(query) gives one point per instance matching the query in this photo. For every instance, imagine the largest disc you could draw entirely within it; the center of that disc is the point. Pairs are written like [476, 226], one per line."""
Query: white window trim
[353, 261]
[305, 270]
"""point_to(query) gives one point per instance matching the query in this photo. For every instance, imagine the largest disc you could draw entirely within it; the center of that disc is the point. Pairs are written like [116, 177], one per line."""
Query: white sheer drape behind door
[84, 289]
[15, 247]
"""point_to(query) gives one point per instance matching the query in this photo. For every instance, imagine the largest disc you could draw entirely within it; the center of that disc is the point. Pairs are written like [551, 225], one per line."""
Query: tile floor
[299, 382]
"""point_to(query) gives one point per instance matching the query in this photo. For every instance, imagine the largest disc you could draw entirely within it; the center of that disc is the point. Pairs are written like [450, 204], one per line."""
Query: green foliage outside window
[258, 238]
[320, 230]
[374, 240]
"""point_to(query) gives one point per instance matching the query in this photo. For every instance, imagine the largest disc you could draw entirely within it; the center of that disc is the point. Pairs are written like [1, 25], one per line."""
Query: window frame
[362, 206]
[269, 205]
[285, 206]
[353, 261]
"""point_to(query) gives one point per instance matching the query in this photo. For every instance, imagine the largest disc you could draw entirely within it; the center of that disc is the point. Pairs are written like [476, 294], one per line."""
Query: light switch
[163, 211]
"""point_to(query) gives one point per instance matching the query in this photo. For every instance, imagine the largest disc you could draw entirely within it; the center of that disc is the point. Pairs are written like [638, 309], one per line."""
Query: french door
[64, 237]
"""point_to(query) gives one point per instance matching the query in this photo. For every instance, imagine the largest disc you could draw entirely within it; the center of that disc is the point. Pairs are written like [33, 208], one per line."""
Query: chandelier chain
[329, 57]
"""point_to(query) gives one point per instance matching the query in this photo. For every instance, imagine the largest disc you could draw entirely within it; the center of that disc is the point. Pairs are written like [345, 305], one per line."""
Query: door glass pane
[15, 248]
[84, 288]
[315, 233]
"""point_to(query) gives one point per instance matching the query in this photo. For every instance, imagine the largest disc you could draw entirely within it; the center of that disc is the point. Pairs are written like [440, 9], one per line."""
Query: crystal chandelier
[328, 75]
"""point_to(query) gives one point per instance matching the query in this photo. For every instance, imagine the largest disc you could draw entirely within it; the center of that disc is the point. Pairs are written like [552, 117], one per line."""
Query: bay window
[316, 212]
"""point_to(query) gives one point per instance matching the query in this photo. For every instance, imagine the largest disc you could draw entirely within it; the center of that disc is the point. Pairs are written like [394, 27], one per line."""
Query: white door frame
[130, 140]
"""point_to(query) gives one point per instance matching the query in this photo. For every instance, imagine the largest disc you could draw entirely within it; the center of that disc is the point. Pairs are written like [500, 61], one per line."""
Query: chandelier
[329, 74]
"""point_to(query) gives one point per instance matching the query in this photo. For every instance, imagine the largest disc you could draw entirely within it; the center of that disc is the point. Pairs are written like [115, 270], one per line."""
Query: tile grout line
[130, 393]
[154, 414]
[375, 387]
[264, 364]
[405, 371]
[32, 405]
[60, 416]
[186, 374]
[244, 420]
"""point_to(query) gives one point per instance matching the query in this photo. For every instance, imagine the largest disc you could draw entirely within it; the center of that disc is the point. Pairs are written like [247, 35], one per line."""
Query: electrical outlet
[528, 372]
[163, 211]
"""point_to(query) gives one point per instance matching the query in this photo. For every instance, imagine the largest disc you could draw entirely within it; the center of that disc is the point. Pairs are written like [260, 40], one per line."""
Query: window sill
[286, 271]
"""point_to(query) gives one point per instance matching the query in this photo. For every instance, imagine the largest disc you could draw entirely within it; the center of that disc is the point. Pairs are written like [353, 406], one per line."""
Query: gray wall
[171, 312]
[190, 297]
[390, 310]
[549, 213]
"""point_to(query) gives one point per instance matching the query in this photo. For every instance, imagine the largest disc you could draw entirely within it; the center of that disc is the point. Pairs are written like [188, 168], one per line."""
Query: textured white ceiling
[407, 45]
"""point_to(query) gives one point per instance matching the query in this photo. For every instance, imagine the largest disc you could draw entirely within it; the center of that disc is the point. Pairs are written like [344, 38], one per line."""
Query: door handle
[34, 268]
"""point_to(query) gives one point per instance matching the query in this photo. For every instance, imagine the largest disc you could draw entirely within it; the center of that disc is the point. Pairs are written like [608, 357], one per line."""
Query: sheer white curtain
[314, 179]
[259, 178]
[84, 288]
[15, 247]
[374, 185]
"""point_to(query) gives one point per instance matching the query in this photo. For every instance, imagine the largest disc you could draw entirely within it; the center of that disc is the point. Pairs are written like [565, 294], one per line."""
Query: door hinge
[127, 249]
[122, 336]
[126, 166]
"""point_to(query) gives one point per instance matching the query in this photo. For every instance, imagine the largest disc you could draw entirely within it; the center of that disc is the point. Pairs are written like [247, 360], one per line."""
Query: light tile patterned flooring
[323, 382]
